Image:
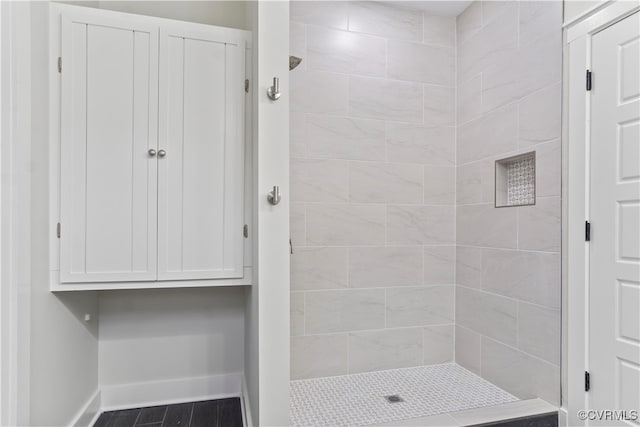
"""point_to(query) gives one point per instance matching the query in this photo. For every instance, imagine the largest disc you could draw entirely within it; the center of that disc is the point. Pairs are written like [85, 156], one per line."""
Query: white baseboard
[563, 417]
[124, 396]
[89, 413]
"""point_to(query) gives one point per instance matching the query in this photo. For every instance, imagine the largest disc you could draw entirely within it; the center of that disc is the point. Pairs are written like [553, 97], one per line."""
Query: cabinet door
[200, 189]
[108, 125]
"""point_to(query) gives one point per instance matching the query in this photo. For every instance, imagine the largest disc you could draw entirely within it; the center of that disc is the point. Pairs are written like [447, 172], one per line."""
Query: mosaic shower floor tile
[359, 399]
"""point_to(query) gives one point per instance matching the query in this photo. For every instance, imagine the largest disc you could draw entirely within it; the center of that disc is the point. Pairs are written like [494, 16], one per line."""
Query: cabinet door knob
[151, 152]
[162, 153]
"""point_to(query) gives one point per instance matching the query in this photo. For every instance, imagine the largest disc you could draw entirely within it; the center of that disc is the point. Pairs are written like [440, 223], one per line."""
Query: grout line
[514, 299]
[191, 416]
[384, 329]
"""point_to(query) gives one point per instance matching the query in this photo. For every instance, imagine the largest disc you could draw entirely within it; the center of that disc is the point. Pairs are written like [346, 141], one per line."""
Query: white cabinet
[200, 216]
[151, 149]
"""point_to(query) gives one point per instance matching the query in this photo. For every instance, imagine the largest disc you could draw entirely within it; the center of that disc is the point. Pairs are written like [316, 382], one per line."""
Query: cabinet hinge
[58, 230]
[587, 381]
[245, 231]
[59, 64]
[246, 85]
[589, 80]
[587, 231]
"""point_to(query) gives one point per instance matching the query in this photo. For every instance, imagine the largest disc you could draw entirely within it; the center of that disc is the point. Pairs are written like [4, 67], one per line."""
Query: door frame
[576, 115]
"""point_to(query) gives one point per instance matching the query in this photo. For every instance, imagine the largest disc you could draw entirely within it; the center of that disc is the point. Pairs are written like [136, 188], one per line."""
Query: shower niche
[515, 182]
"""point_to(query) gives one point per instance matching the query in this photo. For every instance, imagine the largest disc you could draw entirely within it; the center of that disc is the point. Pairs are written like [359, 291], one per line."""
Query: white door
[108, 125]
[615, 216]
[200, 189]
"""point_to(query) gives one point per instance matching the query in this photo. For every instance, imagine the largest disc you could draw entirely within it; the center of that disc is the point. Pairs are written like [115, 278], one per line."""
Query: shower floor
[359, 399]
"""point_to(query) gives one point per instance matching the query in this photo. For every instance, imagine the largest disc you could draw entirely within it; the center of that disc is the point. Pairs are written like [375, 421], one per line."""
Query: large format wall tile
[495, 41]
[468, 348]
[439, 30]
[490, 135]
[314, 180]
[507, 259]
[518, 373]
[390, 349]
[329, 14]
[298, 42]
[439, 265]
[420, 144]
[345, 52]
[431, 305]
[439, 185]
[345, 310]
[420, 225]
[438, 342]
[469, 95]
[529, 276]
[376, 163]
[385, 99]
[297, 135]
[385, 20]
[548, 169]
[414, 62]
[318, 268]
[469, 266]
[319, 92]
[385, 183]
[539, 226]
[469, 22]
[297, 314]
[539, 117]
[539, 331]
[345, 138]
[487, 226]
[385, 267]
[475, 182]
[439, 106]
[297, 224]
[345, 224]
[318, 356]
[488, 314]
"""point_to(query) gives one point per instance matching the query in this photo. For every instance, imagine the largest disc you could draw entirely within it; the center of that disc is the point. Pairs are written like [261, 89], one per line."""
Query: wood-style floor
[211, 413]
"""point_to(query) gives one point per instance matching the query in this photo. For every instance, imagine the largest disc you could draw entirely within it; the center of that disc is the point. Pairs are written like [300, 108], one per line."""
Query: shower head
[294, 61]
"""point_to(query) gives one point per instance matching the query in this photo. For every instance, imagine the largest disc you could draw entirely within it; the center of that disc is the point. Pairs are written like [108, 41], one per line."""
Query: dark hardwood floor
[211, 413]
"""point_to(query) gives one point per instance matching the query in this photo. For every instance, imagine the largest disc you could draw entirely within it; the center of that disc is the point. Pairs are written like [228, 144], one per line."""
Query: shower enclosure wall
[400, 257]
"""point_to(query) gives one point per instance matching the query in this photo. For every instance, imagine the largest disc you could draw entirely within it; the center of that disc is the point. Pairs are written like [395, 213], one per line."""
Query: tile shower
[400, 257]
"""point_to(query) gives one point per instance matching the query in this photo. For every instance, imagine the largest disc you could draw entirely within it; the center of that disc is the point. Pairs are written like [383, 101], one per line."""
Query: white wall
[267, 309]
[222, 13]
[63, 347]
[154, 335]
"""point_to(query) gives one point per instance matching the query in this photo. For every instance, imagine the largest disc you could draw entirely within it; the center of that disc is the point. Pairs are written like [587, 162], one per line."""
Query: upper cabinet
[200, 195]
[151, 149]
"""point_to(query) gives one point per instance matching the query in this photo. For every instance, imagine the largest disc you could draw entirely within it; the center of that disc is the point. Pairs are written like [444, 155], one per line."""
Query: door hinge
[587, 231]
[246, 85]
[245, 231]
[59, 64]
[58, 230]
[587, 381]
[589, 80]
